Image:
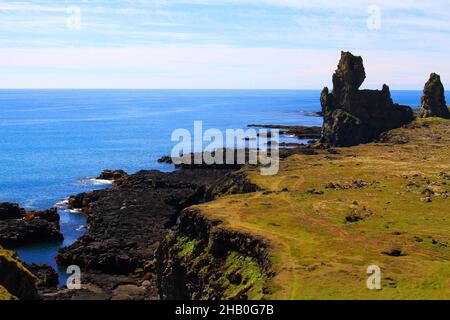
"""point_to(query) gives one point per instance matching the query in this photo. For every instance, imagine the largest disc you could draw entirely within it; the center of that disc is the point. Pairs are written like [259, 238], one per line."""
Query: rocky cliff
[16, 282]
[433, 102]
[234, 182]
[353, 116]
[201, 260]
[127, 221]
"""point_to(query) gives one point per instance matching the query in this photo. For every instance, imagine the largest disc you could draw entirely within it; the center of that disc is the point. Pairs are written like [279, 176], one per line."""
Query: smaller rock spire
[433, 102]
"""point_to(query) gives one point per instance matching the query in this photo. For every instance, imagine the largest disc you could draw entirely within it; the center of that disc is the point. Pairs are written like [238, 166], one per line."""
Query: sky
[220, 44]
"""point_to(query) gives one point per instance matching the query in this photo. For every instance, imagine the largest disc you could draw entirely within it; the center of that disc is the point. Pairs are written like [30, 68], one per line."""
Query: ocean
[51, 141]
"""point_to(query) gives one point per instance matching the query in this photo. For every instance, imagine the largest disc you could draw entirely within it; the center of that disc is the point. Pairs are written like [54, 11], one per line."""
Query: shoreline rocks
[96, 285]
[10, 211]
[353, 116]
[433, 102]
[301, 132]
[29, 227]
[112, 175]
[127, 222]
[190, 162]
[165, 159]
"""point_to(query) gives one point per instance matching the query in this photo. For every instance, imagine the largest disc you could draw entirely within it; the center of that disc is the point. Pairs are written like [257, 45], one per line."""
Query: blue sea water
[50, 139]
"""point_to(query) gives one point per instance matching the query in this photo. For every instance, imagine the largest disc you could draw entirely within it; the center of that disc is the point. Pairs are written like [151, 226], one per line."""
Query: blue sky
[219, 43]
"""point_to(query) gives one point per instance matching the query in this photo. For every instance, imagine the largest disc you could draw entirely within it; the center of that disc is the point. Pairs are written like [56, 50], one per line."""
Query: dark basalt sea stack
[18, 227]
[353, 116]
[433, 102]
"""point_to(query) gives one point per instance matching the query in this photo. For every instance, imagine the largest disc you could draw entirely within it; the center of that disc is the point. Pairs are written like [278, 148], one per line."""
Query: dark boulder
[433, 102]
[50, 215]
[353, 116]
[10, 211]
[82, 201]
[165, 159]
[46, 276]
[112, 175]
[32, 227]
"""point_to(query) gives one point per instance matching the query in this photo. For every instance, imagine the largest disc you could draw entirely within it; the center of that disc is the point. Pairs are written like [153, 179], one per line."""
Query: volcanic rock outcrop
[112, 175]
[353, 116]
[127, 222]
[46, 276]
[18, 227]
[433, 102]
[10, 211]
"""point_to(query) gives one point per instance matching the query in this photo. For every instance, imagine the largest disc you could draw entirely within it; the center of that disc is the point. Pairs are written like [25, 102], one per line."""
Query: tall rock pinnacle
[353, 116]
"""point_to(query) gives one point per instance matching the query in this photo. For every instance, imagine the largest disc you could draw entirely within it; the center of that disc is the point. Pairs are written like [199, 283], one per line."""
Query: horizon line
[203, 89]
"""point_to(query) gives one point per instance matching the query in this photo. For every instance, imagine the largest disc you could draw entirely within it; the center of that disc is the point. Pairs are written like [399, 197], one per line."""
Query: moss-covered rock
[16, 281]
[5, 295]
[203, 261]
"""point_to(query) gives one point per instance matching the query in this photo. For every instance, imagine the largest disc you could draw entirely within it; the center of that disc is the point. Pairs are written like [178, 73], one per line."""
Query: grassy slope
[12, 266]
[5, 295]
[317, 255]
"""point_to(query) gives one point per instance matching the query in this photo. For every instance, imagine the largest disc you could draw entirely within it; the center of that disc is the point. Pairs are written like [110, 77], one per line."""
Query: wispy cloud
[267, 40]
[205, 67]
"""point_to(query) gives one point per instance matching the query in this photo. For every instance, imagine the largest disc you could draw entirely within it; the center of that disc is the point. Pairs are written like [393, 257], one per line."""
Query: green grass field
[385, 204]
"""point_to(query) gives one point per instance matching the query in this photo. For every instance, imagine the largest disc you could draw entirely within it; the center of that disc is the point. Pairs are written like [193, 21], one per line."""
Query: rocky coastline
[126, 225]
[300, 132]
[146, 238]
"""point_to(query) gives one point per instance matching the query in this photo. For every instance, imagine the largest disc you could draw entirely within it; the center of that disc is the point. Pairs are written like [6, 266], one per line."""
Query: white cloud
[24, 6]
[412, 43]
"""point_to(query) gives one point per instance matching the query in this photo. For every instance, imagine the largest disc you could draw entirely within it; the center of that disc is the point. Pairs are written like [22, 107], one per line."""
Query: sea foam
[94, 182]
